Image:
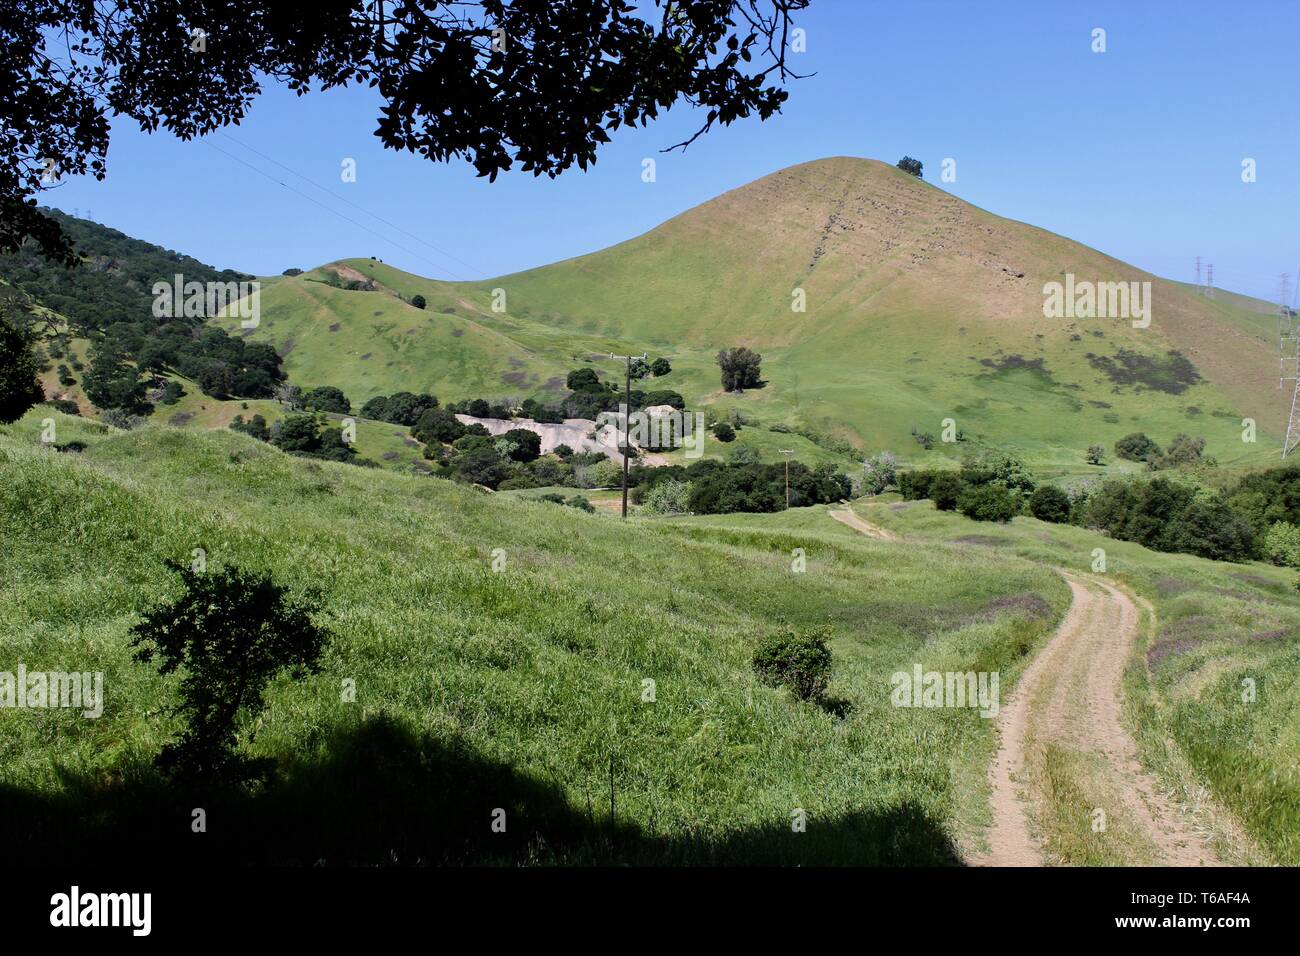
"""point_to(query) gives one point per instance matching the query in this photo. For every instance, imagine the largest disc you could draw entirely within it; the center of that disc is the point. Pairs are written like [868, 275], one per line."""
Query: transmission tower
[1209, 280]
[1198, 273]
[1288, 344]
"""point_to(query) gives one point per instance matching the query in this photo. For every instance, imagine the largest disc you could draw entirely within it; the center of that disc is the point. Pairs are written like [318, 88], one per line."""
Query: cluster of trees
[1184, 452]
[1159, 513]
[108, 299]
[511, 460]
[715, 487]
[305, 435]
[400, 408]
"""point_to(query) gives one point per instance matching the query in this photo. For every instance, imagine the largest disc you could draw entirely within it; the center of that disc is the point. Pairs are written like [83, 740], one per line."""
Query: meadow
[520, 689]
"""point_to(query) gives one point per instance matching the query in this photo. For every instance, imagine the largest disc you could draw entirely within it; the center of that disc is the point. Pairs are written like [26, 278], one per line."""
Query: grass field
[479, 690]
[1216, 625]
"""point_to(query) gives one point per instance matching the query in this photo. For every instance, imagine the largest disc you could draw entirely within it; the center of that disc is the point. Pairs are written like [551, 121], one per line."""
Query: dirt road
[1070, 697]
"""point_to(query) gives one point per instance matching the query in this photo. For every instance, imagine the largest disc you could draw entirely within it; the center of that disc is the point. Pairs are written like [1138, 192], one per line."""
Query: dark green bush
[1050, 503]
[945, 489]
[800, 661]
[991, 502]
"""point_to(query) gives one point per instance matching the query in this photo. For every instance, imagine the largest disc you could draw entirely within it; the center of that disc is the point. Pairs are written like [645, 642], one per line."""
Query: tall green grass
[519, 689]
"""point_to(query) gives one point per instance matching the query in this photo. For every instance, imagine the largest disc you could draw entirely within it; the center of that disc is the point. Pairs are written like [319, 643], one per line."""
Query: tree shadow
[384, 795]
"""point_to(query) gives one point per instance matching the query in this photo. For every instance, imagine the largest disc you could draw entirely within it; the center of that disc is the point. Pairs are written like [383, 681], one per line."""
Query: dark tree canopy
[741, 369]
[534, 83]
[20, 386]
[911, 166]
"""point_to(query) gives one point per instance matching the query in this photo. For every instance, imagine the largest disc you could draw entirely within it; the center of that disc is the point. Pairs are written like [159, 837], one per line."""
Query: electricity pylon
[1288, 345]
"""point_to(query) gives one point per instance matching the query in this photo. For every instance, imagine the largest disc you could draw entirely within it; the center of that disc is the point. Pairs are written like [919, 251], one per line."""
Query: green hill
[919, 307]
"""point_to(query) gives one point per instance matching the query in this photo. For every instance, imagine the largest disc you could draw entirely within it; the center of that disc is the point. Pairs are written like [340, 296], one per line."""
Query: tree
[527, 444]
[112, 381]
[1096, 455]
[327, 398]
[229, 633]
[910, 166]
[724, 432]
[945, 490]
[1050, 503]
[437, 425]
[659, 367]
[1136, 447]
[583, 380]
[638, 369]
[418, 301]
[879, 472]
[740, 369]
[20, 384]
[530, 83]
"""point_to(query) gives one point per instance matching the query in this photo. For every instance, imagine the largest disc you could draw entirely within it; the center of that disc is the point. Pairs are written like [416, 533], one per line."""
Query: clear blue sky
[1136, 151]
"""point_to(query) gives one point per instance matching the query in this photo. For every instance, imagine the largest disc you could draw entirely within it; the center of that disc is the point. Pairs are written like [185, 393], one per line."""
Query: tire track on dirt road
[1070, 696]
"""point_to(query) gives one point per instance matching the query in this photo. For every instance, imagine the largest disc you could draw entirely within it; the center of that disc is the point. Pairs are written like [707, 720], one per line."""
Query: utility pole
[787, 452]
[627, 413]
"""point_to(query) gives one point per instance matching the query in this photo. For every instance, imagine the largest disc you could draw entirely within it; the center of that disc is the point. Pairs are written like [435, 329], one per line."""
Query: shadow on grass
[386, 796]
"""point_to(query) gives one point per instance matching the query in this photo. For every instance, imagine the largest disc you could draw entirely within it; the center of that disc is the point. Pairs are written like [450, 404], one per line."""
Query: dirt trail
[1071, 695]
[851, 519]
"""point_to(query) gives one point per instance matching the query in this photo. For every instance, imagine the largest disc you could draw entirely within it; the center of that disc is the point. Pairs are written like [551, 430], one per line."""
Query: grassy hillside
[478, 690]
[1215, 625]
[919, 307]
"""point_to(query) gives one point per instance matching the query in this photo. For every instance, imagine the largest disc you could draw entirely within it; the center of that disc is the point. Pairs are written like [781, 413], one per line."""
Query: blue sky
[1136, 151]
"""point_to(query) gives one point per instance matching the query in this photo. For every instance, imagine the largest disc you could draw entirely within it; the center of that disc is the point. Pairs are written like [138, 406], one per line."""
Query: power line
[317, 202]
[340, 198]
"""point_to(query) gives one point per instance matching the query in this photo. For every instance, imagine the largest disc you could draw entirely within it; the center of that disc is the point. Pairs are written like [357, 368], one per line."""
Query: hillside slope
[478, 688]
[919, 307]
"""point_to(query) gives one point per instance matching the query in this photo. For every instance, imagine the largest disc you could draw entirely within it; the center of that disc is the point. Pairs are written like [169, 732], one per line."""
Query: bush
[723, 432]
[742, 455]
[989, 502]
[1282, 544]
[799, 661]
[581, 503]
[668, 497]
[527, 444]
[1096, 455]
[229, 633]
[880, 472]
[121, 418]
[1050, 503]
[915, 485]
[1212, 530]
[418, 301]
[945, 490]
[660, 366]
[1136, 447]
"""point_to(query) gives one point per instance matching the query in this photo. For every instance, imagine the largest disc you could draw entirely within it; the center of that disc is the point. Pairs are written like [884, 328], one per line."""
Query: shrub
[915, 485]
[879, 472]
[1096, 455]
[660, 366]
[1050, 503]
[230, 633]
[581, 503]
[723, 432]
[121, 418]
[799, 661]
[1282, 544]
[1136, 447]
[742, 455]
[997, 467]
[1212, 530]
[668, 497]
[527, 444]
[945, 490]
[991, 502]
[256, 426]
[418, 301]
